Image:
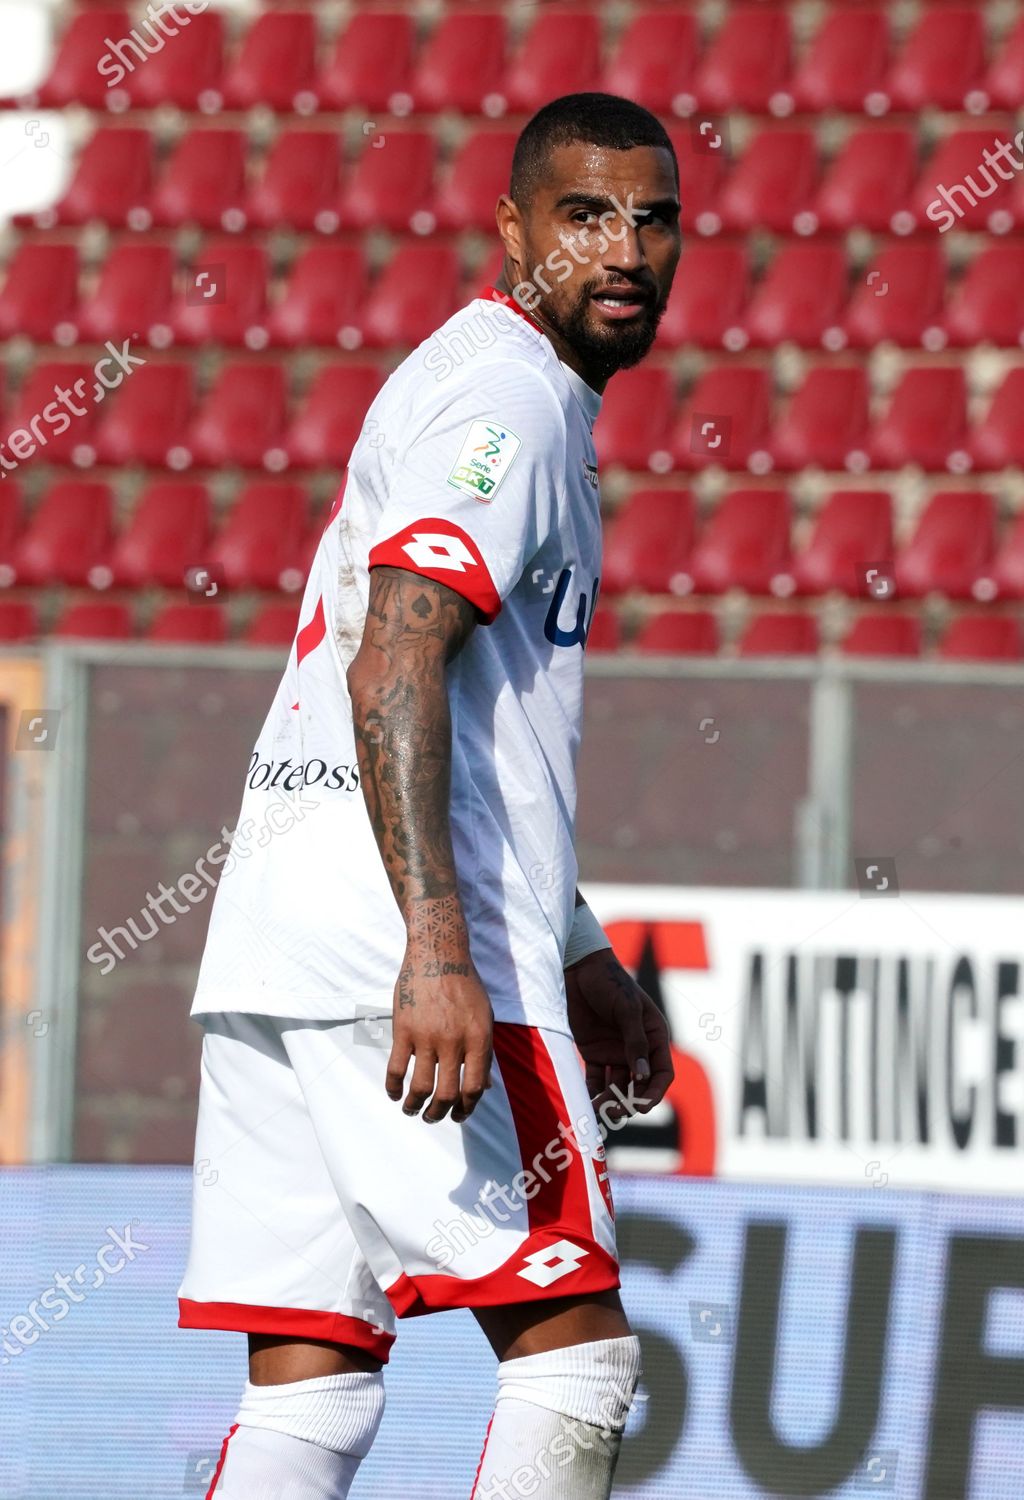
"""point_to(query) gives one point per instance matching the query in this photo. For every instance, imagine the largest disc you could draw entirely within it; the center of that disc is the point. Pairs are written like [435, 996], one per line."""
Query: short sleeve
[476, 485]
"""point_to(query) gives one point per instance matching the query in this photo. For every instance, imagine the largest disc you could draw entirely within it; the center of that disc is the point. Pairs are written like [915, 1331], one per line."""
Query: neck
[562, 348]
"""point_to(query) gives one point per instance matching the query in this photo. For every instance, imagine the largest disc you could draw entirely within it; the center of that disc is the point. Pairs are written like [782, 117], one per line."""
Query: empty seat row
[173, 624]
[974, 636]
[266, 542]
[654, 544]
[729, 419]
[107, 61]
[805, 296]
[875, 181]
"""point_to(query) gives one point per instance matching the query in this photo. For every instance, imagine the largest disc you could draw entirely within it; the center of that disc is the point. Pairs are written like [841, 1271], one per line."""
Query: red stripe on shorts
[223, 1456]
[300, 1322]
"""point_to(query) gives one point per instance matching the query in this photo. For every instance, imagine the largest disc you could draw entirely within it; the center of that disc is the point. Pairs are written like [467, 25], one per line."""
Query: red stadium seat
[726, 421]
[953, 543]
[10, 529]
[635, 424]
[224, 297]
[988, 305]
[656, 60]
[393, 185]
[276, 66]
[274, 625]
[323, 300]
[204, 182]
[845, 65]
[95, 620]
[40, 293]
[241, 418]
[926, 422]
[261, 545]
[605, 633]
[199, 624]
[146, 422]
[186, 73]
[133, 297]
[18, 621]
[168, 533]
[899, 298]
[476, 180]
[745, 544]
[852, 534]
[679, 632]
[463, 65]
[773, 185]
[800, 297]
[869, 182]
[942, 62]
[324, 431]
[371, 64]
[956, 188]
[68, 536]
[883, 635]
[826, 422]
[64, 427]
[703, 160]
[982, 637]
[299, 186]
[705, 306]
[648, 543]
[997, 442]
[1003, 87]
[418, 291]
[111, 184]
[561, 55]
[747, 63]
[1005, 578]
[775, 634]
[84, 68]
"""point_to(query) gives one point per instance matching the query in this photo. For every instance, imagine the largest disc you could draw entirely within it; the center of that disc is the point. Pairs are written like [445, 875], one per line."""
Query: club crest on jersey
[484, 459]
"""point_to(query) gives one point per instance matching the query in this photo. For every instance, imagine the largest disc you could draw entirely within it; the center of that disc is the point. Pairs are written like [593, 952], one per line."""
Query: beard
[611, 347]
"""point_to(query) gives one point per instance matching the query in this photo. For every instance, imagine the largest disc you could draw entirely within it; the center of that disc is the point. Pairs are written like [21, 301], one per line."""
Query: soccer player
[393, 1118]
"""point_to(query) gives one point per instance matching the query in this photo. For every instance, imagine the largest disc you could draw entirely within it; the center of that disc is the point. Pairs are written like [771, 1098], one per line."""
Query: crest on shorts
[484, 459]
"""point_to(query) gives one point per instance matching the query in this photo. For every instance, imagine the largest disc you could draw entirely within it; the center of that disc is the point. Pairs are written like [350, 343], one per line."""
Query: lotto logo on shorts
[549, 1265]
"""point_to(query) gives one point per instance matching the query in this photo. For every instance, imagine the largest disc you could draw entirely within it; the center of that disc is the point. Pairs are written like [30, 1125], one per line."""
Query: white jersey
[475, 467]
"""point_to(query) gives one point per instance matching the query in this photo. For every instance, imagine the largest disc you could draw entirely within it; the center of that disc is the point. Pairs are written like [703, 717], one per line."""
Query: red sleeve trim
[300, 1322]
[438, 549]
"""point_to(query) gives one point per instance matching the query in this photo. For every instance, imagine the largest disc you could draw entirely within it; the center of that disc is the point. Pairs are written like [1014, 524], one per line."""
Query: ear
[510, 227]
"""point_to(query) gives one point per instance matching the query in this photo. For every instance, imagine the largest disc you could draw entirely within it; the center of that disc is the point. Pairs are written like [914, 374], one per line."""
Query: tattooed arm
[414, 628]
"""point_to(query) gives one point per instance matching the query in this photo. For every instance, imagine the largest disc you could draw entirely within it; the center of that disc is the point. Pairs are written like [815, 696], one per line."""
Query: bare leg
[277, 1360]
[535, 1327]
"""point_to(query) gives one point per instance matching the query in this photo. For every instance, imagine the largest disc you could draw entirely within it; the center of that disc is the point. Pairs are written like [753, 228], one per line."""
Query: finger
[596, 1078]
[637, 1047]
[398, 1066]
[662, 1072]
[422, 1085]
[476, 1079]
[446, 1094]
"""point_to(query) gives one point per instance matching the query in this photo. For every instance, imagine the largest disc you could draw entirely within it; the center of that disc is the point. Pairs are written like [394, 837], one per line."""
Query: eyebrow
[605, 205]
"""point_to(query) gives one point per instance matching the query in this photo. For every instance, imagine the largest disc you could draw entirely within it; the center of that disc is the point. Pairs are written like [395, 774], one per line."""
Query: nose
[624, 252]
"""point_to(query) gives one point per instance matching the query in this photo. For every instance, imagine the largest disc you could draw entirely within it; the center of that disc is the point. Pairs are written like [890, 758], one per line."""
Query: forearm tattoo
[414, 627]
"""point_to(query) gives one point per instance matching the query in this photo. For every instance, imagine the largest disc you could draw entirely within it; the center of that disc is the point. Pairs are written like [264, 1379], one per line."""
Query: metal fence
[759, 773]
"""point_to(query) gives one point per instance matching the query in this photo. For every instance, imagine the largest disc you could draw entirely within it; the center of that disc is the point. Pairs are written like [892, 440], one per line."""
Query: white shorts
[321, 1211]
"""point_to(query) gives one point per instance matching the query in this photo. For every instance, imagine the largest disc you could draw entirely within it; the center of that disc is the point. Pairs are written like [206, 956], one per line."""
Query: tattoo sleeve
[414, 628]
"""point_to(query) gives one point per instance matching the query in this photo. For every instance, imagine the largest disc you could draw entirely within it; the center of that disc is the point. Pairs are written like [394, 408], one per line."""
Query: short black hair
[591, 119]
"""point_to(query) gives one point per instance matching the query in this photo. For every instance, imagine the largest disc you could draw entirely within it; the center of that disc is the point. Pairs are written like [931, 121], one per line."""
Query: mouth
[620, 303]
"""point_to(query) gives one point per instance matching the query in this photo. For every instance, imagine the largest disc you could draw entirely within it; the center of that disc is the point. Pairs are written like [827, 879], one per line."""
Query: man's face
[599, 241]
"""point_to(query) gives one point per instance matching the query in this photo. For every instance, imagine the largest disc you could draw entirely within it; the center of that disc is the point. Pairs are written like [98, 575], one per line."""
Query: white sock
[558, 1423]
[303, 1440]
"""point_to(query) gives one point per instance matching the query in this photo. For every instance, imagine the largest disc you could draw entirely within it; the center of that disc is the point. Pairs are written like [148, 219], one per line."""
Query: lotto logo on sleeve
[484, 459]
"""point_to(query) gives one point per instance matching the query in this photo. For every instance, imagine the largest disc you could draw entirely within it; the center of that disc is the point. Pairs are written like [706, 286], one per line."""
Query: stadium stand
[276, 208]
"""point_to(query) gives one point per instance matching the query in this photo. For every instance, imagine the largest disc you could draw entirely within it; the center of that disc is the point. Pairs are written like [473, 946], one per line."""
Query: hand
[621, 1035]
[442, 1017]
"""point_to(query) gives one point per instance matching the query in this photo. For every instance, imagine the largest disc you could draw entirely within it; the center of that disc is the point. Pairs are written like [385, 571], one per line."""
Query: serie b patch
[484, 459]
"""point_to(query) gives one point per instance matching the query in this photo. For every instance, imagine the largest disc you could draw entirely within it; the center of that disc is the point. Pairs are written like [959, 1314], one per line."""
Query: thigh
[271, 1250]
[513, 1206]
